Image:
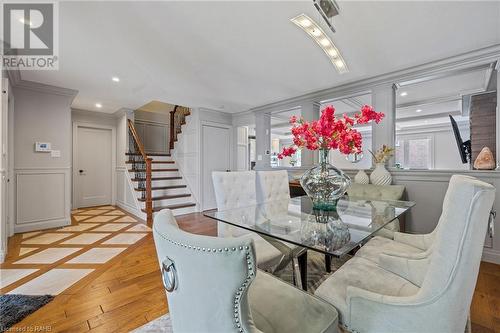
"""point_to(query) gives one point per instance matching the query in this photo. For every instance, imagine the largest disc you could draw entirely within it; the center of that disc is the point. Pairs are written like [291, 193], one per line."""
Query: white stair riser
[161, 158]
[158, 183]
[172, 191]
[168, 202]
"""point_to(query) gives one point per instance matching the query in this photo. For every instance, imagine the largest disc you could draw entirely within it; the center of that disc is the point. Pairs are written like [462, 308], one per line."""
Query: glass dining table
[334, 233]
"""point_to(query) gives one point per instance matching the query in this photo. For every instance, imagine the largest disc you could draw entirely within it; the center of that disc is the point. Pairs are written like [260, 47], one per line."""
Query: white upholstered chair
[379, 192]
[213, 286]
[431, 293]
[238, 190]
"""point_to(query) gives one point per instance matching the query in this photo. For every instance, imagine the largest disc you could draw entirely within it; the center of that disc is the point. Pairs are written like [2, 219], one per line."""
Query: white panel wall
[34, 187]
[42, 183]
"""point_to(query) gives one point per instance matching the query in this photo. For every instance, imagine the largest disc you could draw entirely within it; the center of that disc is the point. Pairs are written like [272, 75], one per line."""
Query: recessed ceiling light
[403, 94]
[98, 105]
[115, 79]
[418, 110]
[314, 30]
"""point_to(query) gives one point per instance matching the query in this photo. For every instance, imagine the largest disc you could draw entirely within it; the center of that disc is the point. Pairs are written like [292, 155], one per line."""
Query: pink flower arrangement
[330, 132]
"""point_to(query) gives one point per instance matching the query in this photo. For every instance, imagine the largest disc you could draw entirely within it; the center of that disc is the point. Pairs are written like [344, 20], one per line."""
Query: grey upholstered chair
[237, 189]
[213, 285]
[379, 192]
[429, 293]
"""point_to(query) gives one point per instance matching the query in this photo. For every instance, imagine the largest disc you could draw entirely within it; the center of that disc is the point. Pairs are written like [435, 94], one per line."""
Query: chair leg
[328, 263]
[302, 261]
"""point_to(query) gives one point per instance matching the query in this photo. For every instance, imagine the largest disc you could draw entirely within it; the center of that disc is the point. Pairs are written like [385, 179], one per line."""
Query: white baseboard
[491, 255]
[42, 225]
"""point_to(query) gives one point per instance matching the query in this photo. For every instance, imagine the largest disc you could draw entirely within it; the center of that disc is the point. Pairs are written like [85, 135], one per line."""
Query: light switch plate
[259, 157]
[55, 153]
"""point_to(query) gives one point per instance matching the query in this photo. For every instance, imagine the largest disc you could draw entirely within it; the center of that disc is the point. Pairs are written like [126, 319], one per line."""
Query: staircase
[158, 183]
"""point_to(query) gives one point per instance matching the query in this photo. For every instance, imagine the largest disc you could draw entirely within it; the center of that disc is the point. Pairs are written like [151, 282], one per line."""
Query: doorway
[93, 165]
[216, 156]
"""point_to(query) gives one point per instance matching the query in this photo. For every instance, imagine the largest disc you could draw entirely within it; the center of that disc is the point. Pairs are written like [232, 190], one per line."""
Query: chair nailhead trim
[244, 285]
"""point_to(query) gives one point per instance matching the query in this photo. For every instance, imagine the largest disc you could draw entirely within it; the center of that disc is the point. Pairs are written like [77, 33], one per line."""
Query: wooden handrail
[172, 128]
[148, 161]
[137, 140]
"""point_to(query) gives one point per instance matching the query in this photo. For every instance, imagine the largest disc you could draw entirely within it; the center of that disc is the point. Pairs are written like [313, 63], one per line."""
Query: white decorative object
[361, 178]
[380, 176]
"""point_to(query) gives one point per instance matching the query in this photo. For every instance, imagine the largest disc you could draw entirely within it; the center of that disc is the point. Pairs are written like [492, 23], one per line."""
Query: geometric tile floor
[50, 261]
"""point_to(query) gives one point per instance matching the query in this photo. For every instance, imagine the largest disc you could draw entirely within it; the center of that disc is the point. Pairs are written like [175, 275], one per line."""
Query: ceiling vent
[328, 9]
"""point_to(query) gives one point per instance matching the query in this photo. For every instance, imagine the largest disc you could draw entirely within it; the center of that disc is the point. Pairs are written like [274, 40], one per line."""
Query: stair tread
[153, 170]
[155, 188]
[178, 206]
[166, 197]
[156, 178]
[149, 154]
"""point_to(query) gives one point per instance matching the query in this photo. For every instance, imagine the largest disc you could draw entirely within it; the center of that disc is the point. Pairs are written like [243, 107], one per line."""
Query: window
[414, 152]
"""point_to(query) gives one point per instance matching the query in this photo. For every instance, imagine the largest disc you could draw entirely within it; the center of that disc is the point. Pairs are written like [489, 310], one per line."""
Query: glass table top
[330, 232]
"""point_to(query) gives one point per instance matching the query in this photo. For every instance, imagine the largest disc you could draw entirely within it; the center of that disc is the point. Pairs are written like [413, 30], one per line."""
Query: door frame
[230, 150]
[77, 124]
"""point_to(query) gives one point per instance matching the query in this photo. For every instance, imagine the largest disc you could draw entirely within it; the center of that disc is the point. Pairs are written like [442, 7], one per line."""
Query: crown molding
[121, 112]
[45, 88]
[477, 58]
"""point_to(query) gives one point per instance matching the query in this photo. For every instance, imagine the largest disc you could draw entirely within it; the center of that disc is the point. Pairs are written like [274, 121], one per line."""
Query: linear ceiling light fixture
[314, 30]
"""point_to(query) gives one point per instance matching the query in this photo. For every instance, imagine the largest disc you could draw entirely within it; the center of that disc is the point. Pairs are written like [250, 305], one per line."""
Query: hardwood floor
[127, 292]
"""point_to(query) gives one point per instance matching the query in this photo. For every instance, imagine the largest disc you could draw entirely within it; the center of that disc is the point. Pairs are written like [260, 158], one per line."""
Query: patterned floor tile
[9, 276]
[125, 239]
[51, 283]
[79, 227]
[79, 218]
[48, 256]
[92, 212]
[139, 227]
[31, 234]
[85, 238]
[115, 212]
[100, 219]
[97, 255]
[126, 219]
[47, 238]
[111, 227]
[26, 250]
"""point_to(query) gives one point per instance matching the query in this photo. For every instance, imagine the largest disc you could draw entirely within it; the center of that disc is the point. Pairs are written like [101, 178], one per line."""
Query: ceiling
[234, 55]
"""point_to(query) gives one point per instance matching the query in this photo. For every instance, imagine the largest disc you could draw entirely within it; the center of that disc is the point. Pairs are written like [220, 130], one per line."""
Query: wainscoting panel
[125, 197]
[42, 198]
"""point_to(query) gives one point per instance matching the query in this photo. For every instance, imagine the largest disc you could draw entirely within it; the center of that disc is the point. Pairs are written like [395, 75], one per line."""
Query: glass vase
[324, 183]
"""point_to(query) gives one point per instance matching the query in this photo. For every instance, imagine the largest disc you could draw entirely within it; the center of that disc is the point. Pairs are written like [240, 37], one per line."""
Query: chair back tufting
[206, 278]
[272, 185]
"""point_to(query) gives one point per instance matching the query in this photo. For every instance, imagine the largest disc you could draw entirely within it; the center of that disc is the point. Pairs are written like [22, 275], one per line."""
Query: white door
[92, 170]
[216, 147]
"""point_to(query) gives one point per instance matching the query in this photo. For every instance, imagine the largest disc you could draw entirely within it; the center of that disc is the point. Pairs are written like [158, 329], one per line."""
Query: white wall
[42, 183]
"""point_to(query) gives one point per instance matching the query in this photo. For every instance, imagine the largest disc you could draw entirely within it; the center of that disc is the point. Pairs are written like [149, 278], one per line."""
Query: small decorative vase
[380, 176]
[361, 178]
[325, 184]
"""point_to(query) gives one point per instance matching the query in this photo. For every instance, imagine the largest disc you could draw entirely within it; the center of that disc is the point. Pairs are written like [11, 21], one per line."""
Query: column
[263, 140]
[309, 111]
[383, 133]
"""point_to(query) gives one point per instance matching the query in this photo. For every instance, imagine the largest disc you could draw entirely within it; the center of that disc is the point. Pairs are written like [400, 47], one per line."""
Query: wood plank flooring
[127, 292]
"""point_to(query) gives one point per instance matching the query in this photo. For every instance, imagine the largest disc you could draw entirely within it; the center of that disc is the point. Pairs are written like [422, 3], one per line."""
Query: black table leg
[302, 260]
[328, 263]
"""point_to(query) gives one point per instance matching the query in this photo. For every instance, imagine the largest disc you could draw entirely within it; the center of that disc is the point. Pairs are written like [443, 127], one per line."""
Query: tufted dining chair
[238, 190]
[379, 192]
[429, 294]
[213, 285]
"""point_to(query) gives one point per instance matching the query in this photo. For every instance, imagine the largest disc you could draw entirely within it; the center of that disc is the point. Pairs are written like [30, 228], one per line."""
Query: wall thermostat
[43, 147]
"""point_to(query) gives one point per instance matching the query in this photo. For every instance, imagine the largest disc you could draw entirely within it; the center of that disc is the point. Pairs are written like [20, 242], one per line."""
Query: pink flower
[329, 132]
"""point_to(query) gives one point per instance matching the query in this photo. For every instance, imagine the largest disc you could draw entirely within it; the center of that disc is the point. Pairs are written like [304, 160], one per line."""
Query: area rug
[15, 308]
[316, 274]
